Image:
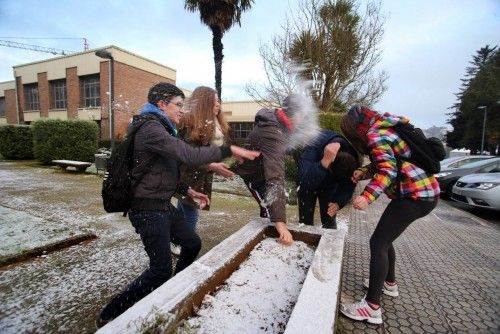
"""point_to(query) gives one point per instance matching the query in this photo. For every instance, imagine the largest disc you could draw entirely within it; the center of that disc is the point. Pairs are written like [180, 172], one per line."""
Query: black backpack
[117, 190]
[426, 153]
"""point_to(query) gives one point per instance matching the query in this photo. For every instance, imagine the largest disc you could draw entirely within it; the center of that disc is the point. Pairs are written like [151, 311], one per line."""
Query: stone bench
[314, 312]
[80, 166]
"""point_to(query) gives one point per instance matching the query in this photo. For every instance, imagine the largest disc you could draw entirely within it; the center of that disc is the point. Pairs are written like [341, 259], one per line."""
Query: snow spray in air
[305, 118]
[305, 123]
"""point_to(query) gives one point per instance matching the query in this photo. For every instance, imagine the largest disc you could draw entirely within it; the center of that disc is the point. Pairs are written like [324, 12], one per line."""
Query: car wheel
[449, 189]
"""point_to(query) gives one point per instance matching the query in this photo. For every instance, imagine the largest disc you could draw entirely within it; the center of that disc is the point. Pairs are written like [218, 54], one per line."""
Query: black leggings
[397, 216]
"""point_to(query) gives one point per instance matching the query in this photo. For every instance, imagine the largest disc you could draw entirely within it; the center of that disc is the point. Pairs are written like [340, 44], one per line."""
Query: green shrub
[330, 120]
[70, 140]
[16, 142]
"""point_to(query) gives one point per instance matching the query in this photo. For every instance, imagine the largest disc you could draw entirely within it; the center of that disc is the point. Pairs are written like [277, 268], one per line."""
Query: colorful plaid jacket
[385, 147]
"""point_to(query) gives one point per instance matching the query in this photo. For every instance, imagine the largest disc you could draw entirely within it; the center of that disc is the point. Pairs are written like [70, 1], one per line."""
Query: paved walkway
[447, 268]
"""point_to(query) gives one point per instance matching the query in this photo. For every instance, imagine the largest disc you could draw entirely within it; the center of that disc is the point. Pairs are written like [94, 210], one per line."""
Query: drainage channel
[29, 254]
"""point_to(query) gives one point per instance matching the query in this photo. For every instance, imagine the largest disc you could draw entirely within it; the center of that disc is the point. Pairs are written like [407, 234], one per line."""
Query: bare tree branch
[337, 44]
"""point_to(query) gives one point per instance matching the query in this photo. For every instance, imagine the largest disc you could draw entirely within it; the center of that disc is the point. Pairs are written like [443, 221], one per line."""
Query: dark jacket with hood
[312, 176]
[157, 153]
[269, 137]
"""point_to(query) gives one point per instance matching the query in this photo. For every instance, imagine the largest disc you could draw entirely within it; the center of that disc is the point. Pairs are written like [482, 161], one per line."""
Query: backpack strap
[130, 152]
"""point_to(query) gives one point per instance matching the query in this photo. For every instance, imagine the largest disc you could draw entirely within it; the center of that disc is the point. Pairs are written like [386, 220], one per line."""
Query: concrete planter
[101, 161]
[314, 312]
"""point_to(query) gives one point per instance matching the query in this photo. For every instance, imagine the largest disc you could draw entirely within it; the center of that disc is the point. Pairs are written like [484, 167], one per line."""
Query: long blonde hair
[200, 119]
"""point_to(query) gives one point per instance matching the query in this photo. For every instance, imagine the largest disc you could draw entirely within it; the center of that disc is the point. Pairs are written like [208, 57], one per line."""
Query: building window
[58, 94]
[2, 106]
[240, 131]
[90, 91]
[31, 97]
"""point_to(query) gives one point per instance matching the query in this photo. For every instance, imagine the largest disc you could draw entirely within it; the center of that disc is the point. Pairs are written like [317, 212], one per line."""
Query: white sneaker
[175, 249]
[387, 289]
[362, 311]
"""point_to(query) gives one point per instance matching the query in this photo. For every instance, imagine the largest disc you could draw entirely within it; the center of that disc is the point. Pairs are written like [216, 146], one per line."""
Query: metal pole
[111, 101]
[484, 126]
[111, 81]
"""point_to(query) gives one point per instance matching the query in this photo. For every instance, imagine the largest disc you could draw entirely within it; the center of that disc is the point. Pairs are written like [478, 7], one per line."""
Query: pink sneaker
[362, 311]
[387, 289]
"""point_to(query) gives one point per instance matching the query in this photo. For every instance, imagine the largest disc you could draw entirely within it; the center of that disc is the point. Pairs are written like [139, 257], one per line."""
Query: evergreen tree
[480, 88]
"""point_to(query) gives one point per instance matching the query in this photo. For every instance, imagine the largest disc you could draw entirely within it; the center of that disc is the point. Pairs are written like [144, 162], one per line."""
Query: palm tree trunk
[217, 47]
[326, 102]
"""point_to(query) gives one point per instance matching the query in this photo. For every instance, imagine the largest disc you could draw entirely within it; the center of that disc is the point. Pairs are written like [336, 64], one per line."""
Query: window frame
[58, 94]
[3, 109]
[31, 97]
[241, 130]
[90, 91]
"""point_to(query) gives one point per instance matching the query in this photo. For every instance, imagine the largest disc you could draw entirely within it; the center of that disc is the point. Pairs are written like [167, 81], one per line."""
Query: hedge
[330, 120]
[16, 142]
[69, 140]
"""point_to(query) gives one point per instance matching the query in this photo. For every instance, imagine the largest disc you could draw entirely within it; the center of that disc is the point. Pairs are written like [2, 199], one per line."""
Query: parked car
[455, 162]
[448, 176]
[479, 190]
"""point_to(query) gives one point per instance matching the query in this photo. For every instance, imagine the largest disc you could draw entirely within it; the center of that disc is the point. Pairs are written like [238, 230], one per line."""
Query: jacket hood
[266, 116]
[367, 119]
[150, 108]
[137, 120]
[298, 134]
[387, 121]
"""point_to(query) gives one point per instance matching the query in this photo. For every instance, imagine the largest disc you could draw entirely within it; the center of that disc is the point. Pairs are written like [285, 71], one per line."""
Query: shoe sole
[374, 321]
[385, 291]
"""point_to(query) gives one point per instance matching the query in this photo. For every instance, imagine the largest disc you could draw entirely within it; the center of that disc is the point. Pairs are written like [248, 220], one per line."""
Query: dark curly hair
[343, 166]
[163, 91]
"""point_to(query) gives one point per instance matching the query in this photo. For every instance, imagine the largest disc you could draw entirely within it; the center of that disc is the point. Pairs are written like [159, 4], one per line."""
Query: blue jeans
[156, 229]
[190, 214]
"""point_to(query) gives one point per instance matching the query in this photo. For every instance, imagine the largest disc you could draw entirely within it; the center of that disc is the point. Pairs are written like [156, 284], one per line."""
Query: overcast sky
[427, 43]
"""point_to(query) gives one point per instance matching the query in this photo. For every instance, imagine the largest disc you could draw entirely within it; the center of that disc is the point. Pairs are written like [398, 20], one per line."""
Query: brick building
[77, 86]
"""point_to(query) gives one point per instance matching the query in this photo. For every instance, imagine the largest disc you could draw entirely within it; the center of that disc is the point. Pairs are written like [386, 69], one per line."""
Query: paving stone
[446, 268]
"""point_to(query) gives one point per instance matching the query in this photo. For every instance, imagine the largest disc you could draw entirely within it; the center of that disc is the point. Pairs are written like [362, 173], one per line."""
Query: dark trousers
[307, 205]
[397, 216]
[156, 229]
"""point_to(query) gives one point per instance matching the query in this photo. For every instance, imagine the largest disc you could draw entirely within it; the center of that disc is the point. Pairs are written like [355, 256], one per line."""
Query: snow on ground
[21, 231]
[256, 299]
[64, 291]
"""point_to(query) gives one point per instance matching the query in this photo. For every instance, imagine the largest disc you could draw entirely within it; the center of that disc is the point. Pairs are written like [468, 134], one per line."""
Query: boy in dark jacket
[155, 178]
[324, 174]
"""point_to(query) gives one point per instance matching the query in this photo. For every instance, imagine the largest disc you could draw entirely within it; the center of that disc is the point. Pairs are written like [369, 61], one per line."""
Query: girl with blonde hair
[202, 125]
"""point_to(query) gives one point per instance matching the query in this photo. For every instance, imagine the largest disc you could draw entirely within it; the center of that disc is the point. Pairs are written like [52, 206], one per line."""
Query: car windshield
[480, 163]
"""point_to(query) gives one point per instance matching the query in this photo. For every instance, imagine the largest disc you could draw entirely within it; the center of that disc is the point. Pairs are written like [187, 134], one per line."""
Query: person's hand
[221, 169]
[201, 199]
[241, 154]
[329, 154]
[332, 209]
[360, 203]
[285, 237]
[357, 175]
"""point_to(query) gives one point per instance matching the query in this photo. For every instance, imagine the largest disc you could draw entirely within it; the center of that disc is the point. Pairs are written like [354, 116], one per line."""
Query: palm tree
[219, 16]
